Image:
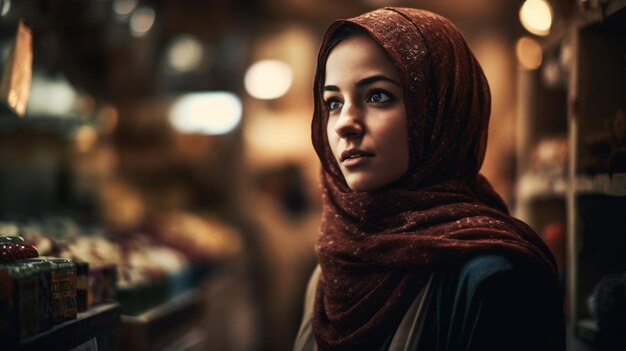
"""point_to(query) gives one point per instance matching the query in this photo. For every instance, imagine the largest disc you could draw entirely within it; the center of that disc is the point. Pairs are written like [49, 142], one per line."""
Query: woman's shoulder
[494, 302]
[482, 267]
[490, 269]
[495, 280]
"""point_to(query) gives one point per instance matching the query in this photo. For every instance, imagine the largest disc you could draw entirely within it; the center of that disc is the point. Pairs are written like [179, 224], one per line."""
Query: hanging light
[536, 16]
[268, 79]
[210, 113]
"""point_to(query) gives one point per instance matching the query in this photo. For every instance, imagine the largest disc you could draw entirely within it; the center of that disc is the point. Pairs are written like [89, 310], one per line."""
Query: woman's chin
[361, 183]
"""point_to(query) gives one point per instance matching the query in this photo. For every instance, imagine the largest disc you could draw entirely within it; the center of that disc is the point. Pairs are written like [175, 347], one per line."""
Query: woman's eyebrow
[376, 78]
[364, 81]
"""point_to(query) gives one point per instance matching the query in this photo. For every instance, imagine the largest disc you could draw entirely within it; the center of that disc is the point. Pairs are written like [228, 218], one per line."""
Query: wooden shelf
[194, 339]
[602, 184]
[168, 324]
[533, 186]
[98, 326]
[584, 107]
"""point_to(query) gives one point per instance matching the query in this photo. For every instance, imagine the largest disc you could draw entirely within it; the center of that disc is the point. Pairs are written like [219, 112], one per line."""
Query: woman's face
[367, 129]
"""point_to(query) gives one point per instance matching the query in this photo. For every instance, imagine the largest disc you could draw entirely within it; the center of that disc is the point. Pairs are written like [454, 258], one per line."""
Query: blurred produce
[35, 292]
[139, 268]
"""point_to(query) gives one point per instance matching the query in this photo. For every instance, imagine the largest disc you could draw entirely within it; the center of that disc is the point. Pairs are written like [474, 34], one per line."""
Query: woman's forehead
[358, 56]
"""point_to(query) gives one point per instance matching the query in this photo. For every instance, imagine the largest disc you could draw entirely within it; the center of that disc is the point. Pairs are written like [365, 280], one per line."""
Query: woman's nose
[350, 123]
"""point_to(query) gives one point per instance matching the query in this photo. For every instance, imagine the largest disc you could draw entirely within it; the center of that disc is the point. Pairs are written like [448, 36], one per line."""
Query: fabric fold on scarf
[376, 249]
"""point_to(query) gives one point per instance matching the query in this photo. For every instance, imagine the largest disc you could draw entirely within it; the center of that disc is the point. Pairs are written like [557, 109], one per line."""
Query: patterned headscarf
[376, 248]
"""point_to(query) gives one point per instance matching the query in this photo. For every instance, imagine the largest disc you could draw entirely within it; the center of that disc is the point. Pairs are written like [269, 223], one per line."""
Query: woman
[416, 250]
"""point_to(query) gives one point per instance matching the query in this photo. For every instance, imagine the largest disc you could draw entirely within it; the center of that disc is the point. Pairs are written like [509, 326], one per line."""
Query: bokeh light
[85, 138]
[529, 53]
[185, 53]
[268, 79]
[6, 7]
[141, 21]
[51, 96]
[536, 16]
[210, 113]
[124, 7]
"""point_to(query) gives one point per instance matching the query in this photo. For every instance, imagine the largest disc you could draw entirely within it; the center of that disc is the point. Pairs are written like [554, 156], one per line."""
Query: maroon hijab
[377, 248]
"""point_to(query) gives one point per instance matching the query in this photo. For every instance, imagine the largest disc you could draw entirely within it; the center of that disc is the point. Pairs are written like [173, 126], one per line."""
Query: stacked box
[102, 281]
[19, 301]
[63, 292]
[82, 285]
[35, 294]
[109, 280]
[45, 268]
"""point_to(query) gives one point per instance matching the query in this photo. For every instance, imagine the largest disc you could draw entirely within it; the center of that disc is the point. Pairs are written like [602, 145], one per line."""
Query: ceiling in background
[92, 45]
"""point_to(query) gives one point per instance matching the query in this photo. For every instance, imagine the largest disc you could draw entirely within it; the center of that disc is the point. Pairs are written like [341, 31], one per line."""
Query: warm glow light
[528, 53]
[51, 97]
[141, 21]
[551, 73]
[536, 16]
[108, 118]
[85, 138]
[269, 79]
[206, 113]
[124, 7]
[185, 54]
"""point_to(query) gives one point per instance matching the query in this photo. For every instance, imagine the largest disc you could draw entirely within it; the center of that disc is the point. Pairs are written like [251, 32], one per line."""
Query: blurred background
[170, 140]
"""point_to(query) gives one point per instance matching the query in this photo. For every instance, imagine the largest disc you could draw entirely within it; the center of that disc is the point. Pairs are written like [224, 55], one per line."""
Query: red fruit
[10, 252]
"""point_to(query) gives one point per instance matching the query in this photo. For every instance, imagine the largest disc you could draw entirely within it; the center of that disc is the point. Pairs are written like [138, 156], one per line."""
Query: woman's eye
[378, 97]
[333, 104]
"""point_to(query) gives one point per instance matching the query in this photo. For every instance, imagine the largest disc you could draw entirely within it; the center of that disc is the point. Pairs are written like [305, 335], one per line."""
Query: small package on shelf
[82, 285]
[45, 268]
[63, 279]
[549, 158]
[101, 282]
[19, 301]
[604, 150]
[57, 285]
[141, 289]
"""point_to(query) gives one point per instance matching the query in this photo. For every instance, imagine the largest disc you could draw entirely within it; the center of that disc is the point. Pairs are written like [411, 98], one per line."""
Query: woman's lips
[355, 157]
